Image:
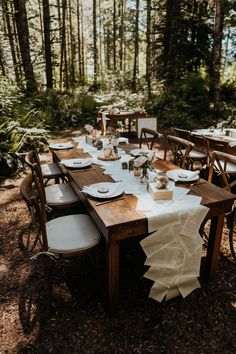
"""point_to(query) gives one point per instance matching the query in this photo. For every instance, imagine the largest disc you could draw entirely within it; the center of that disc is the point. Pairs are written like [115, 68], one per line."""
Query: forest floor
[203, 322]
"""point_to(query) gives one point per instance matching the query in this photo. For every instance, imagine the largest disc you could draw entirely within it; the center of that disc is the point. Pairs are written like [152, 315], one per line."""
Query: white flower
[88, 128]
[139, 161]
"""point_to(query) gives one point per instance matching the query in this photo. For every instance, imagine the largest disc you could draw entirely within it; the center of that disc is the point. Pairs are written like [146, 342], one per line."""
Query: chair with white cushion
[65, 236]
[57, 196]
[180, 149]
[200, 153]
[224, 165]
[181, 133]
[150, 138]
[49, 170]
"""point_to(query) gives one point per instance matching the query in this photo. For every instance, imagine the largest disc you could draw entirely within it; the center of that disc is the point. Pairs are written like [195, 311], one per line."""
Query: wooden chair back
[219, 162]
[200, 143]
[149, 137]
[181, 133]
[35, 202]
[217, 144]
[32, 160]
[180, 149]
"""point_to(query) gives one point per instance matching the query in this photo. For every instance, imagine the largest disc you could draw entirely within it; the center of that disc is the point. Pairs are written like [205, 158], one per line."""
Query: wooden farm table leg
[129, 129]
[112, 249]
[213, 248]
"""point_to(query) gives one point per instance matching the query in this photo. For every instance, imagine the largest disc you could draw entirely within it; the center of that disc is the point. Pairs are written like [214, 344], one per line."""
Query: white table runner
[174, 247]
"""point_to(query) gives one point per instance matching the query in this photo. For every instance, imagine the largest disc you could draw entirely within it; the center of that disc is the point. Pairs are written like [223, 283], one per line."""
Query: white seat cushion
[72, 233]
[51, 169]
[195, 154]
[230, 168]
[60, 194]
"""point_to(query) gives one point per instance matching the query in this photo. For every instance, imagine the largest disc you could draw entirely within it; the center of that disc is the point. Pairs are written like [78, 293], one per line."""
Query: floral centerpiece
[143, 164]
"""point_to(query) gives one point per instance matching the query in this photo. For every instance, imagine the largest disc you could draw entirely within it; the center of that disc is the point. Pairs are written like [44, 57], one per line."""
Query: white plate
[61, 146]
[93, 190]
[138, 152]
[176, 175]
[77, 163]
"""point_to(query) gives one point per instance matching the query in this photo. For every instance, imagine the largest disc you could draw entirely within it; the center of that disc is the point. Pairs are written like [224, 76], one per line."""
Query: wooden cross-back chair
[200, 153]
[33, 229]
[149, 137]
[57, 196]
[216, 144]
[223, 163]
[66, 236]
[181, 133]
[180, 149]
[49, 170]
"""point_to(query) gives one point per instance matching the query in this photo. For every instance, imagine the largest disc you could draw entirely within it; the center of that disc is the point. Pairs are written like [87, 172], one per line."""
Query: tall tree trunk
[84, 72]
[72, 47]
[60, 37]
[218, 34]
[107, 49]
[124, 39]
[148, 50]
[23, 36]
[170, 39]
[114, 34]
[47, 43]
[79, 39]
[63, 65]
[11, 41]
[136, 48]
[2, 62]
[121, 33]
[95, 52]
[41, 25]
[17, 46]
[101, 66]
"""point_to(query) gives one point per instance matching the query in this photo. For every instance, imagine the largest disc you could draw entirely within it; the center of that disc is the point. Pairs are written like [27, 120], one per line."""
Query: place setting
[139, 152]
[104, 190]
[61, 146]
[77, 163]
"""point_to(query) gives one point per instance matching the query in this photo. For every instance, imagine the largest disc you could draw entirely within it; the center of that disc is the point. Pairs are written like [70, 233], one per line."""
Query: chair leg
[231, 223]
[47, 272]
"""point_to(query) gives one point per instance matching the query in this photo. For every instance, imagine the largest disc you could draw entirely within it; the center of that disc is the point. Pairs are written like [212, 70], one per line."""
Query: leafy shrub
[12, 137]
[228, 91]
[185, 105]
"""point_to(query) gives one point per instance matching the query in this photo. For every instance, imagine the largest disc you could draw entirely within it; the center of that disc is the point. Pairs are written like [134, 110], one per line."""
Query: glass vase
[137, 171]
[144, 175]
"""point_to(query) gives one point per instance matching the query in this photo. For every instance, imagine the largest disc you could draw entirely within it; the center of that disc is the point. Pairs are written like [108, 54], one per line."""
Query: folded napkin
[123, 140]
[182, 175]
[61, 146]
[93, 189]
[76, 162]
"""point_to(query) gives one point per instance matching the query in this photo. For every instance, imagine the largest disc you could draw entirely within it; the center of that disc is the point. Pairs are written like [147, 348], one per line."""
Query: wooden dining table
[119, 220]
[122, 116]
[219, 136]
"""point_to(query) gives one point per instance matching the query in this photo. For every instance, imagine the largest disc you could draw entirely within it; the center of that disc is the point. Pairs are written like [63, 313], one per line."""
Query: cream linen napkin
[79, 163]
[182, 175]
